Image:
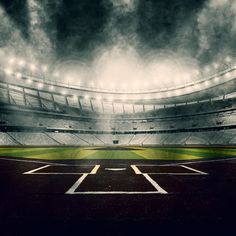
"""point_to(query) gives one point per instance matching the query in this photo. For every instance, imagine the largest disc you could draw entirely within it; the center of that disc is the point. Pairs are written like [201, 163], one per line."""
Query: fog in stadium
[115, 43]
[117, 117]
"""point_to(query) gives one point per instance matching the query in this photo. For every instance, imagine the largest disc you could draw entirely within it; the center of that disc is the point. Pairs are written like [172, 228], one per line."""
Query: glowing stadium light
[177, 92]
[207, 69]
[123, 86]
[91, 84]
[29, 81]
[135, 85]
[98, 97]
[216, 65]
[51, 88]
[187, 76]
[110, 98]
[228, 59]
[159, 96]
[63, 92]
[101, 84]
[146, 84]
[147, 97]
[124, 98]
[56, 74]
[196, 72]
[32, 67]
[12, 60]
[206, 84]
[18, 75]
[8, 71]
[21, 63]
[44, 68]
[216, 79]
[227, 75]
[86, 97]
[40, 85]
[110, 84]
[189, 89]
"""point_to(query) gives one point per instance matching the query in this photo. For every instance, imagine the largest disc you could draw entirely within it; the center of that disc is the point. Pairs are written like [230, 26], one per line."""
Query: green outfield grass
[135, 153]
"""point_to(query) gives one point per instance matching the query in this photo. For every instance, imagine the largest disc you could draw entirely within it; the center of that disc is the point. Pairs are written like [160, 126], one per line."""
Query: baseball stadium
[117, 117]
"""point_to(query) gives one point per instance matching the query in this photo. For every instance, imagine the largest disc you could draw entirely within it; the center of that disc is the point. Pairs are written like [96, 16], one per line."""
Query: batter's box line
[34, 171]
[194, 171]
[159, 189]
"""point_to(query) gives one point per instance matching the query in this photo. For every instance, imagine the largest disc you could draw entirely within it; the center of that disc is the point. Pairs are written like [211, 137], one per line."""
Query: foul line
[196, 162]
[194, 170]
[31, 161]
[34, 170]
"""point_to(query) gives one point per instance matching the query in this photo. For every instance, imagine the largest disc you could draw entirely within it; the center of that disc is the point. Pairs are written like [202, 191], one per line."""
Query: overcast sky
[203, 31]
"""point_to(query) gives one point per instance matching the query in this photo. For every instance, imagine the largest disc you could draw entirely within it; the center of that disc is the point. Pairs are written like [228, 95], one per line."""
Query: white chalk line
[76, 184]
[194, 170]
[34, 170]
[189, 162]
[32, 161]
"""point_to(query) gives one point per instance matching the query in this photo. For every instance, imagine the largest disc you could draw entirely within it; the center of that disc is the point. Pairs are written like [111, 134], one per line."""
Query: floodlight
[21, 63]
[63, 92]
[51, 88]
[124, 98]
[40, 85]
[56, 74]
[32, 67]
[8, 71]
[86, 97]
[98, 97]
[206, 69]
[216, 65]
[227, 75]
[206, 83]
[91, 84]
[18, 75]
[111, 98]
[177, 92]
[12, 60]
[217, 79]
[44, 68]
[29, 81]
[228, 59]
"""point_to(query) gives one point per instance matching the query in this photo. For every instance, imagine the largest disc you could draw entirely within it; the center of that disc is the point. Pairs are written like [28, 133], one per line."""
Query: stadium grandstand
[38, 111]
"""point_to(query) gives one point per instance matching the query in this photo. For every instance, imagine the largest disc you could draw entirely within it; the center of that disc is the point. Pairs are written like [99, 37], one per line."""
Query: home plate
[115, 169]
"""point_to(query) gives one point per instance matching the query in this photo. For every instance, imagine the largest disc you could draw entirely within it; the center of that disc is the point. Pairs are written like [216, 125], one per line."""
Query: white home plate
[115, 169]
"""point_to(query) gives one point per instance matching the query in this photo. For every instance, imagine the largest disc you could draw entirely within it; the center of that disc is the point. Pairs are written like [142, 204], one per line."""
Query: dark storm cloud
[201, 29]
[17, 10]
[169, 24]
[80, 26]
